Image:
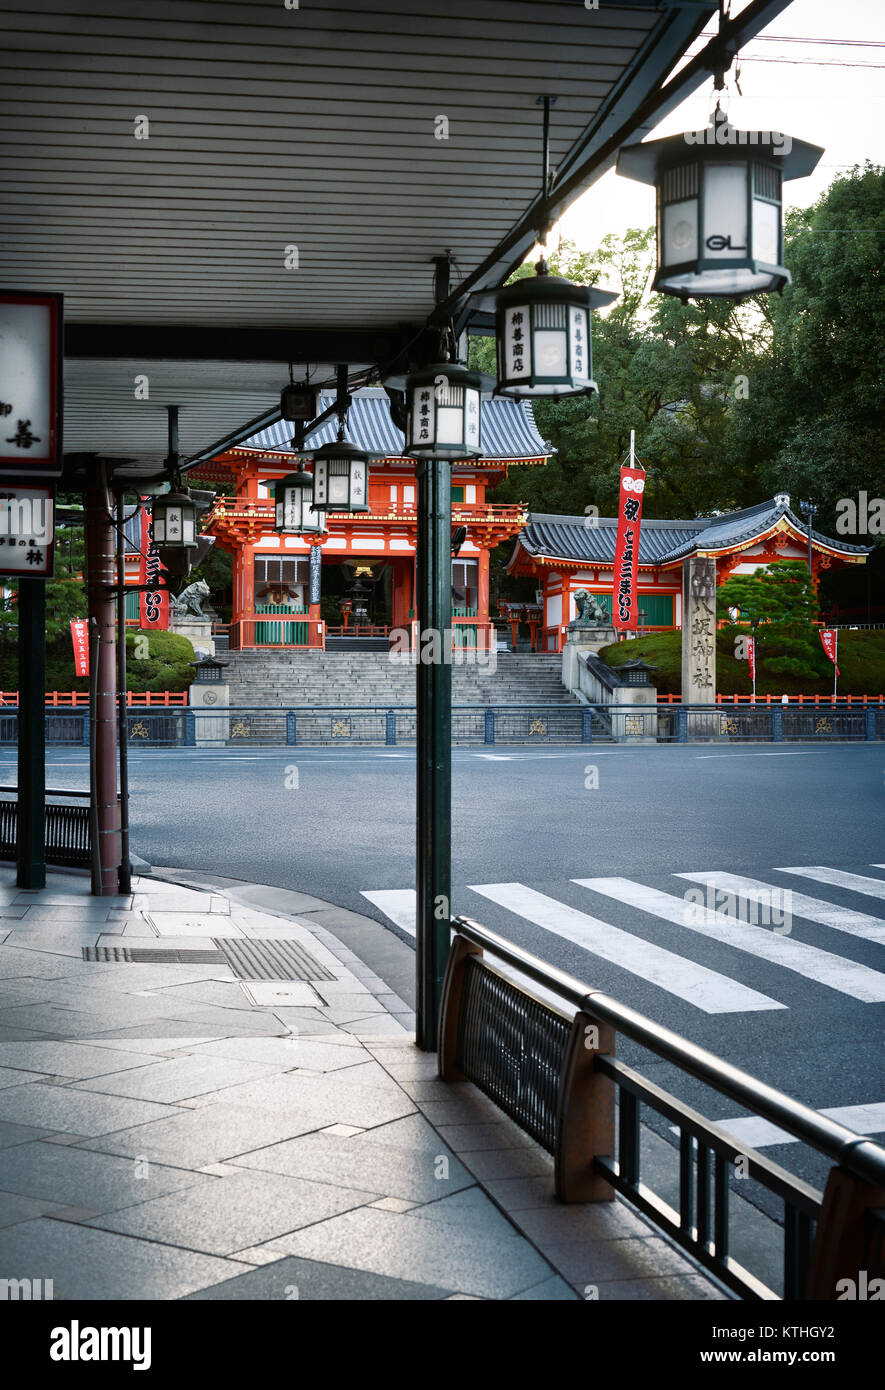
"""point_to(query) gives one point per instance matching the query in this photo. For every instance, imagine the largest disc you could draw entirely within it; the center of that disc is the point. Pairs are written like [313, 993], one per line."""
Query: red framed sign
[31, 329]
[27, 530]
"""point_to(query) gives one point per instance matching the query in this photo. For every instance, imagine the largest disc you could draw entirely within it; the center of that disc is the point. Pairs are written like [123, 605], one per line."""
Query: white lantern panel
[422, 416]
[725, 211]
[449, 425]
[25, 367]
[471, 429]
[550, 352]
[579, 338]
[173, 524]
[358, 482]
[517, 349]
[680, 232]
[766, 232]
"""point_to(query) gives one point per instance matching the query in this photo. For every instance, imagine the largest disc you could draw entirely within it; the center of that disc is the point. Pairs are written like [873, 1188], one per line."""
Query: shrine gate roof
[584, 540]
[507, 429]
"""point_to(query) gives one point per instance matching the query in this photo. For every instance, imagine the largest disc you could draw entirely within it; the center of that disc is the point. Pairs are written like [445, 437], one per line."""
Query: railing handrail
[853, 1151]
[52, 791]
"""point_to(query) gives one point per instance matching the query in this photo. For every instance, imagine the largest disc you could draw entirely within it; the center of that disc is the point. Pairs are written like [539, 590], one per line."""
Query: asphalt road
[528, 822]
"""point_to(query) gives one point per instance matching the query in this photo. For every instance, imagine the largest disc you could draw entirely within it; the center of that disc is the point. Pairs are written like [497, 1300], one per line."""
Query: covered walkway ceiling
[309, 133]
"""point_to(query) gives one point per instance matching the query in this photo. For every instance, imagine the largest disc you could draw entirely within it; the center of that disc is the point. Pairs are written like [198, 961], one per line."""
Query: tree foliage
[780, 604]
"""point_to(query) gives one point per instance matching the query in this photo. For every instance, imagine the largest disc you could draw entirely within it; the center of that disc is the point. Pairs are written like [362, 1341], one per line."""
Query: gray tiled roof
[507, 428]
[588, 541]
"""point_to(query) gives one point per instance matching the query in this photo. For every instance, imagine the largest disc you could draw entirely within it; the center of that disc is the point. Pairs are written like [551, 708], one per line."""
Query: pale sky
[812, 97]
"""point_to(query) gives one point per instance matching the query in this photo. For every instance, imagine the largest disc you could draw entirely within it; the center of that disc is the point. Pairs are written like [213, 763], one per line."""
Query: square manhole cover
[282, 994]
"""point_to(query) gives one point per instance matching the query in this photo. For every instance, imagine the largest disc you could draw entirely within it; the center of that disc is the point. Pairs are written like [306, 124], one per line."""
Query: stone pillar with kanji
[699, 631]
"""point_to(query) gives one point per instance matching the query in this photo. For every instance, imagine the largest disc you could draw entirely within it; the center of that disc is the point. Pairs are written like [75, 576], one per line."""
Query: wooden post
[450, 1008]
[840, 1250]
[585, 1122]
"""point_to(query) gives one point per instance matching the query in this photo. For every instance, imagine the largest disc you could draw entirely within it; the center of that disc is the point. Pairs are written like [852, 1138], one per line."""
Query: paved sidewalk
[170, 1129]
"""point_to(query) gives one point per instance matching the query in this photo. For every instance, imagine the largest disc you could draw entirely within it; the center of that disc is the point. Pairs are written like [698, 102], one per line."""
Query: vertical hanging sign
[625, 614]
[153, 605]
[80, 640]
[830, 642]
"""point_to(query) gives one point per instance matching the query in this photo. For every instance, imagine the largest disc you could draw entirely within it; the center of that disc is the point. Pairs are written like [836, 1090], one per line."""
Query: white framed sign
[27, 529]
[30, 384]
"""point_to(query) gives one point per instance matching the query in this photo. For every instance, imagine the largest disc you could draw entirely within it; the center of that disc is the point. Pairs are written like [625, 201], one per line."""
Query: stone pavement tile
[551, 1290]
[355, 1004]
[14, 1208]
[600, 1261]
[223, 993]
[80, 1112]
[374, 1026]
[20, 1034]
[521, 1194]
[89, 1264]
[209, 1134]
[469, 1209]
[412, 1174]
[689, 1288]
[13, 913]
[330, 1095]
[434, 1089]
[509, 1163]
[558, 1224]
[77, 1023]
[69, 1176]
[177, 1078]
[472, 1109]
[244, 1021]
[9, 1077]
[74, 1059]
[467, 1138]
[61, 944]
[412, 1133]
[393, 1204]
[404, 1247]
[235, 1212]
[266, 1026]
[15, 962]
[11, 1134]
[49, 915]
[157, 1047]
[310, 1281]
[287, 1052]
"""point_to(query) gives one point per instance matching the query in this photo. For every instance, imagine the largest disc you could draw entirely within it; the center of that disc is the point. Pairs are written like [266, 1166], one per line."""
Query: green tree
[780, 604]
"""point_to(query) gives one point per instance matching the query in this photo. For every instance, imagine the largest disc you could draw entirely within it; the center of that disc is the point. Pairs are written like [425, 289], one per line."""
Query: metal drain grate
[156, 955]
[271, 960]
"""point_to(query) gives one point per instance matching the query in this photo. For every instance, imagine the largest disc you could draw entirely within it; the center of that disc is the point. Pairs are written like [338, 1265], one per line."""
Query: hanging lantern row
[442, 412]
[719, 207]
[294, 512]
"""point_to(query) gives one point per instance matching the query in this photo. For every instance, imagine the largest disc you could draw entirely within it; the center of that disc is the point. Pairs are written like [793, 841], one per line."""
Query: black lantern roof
[636, 671]
[796, 159]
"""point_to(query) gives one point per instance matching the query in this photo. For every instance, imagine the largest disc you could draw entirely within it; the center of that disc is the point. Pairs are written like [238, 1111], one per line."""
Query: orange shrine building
[565, 554]
[367, 559]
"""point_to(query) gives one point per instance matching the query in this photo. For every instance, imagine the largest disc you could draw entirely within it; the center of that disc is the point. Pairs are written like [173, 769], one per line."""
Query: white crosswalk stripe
[399, 904]
[706, 989]
[840, 878]
[846, 976]
[843, 919]
[756, 1133]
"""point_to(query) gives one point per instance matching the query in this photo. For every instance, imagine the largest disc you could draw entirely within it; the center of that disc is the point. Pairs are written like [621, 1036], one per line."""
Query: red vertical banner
[625, 606]
[828, 641]
[81, 646]
[751, 656]
[153, 606]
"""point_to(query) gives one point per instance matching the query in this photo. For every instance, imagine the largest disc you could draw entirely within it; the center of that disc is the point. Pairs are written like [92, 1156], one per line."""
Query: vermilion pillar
[100, 579]
[482, 598]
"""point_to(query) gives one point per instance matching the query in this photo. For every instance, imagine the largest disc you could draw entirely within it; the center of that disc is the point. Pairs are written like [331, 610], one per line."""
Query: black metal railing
[68, 831]
[510, 1044]
[528, 723]
[513, 1048]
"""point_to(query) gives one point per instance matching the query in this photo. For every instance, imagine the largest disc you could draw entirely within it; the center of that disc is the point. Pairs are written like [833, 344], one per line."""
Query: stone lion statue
[190, 600]
[590, 610]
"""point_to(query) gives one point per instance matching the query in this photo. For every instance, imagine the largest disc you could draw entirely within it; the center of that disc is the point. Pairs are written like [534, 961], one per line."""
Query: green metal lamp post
[443, 412]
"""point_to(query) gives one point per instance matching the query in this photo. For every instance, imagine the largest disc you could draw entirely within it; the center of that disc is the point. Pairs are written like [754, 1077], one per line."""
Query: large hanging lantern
[174, 520]
[294, 514]
[719, 207]
[542, 325]
[341, 477]
[442, 412]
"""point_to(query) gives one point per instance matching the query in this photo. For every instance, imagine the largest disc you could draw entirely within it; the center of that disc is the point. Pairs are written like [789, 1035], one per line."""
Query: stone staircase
[348, 678]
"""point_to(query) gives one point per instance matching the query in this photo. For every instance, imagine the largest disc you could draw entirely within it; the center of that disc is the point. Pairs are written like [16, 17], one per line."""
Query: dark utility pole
[124, 877]
[434, 739]
[100, 572]
[31, 840]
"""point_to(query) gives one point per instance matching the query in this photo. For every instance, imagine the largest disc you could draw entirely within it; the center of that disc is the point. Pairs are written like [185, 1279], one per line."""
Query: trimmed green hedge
[861, 665]
[164, 667]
